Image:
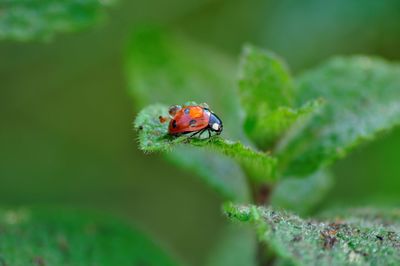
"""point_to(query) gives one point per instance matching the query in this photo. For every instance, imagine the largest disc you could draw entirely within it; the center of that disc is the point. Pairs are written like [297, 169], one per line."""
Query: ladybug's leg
[194, 134]
[199, 133]
[202, 131]
[209, 132]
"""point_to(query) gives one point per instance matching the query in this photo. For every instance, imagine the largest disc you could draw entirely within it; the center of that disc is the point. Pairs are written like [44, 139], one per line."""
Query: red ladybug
[193, 119]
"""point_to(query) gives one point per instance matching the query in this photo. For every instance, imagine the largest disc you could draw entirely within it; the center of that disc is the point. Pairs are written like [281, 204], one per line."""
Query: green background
[66, 118]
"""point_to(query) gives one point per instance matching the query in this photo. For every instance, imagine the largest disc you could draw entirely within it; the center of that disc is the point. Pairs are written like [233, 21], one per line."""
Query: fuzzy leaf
[60, 237]
[24, 20]
[153, 136]
[266, 90]
[302, 195]
[372, 239]
[170, 69]
[362, 98]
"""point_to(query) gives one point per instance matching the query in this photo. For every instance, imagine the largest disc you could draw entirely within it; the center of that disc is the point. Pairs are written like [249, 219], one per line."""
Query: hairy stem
[261, 193]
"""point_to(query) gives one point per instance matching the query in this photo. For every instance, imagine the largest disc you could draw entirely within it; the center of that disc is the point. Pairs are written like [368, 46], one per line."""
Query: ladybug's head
[215, 123]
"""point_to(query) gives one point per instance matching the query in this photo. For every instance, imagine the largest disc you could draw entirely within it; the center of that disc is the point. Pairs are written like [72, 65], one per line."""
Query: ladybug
[194, 120]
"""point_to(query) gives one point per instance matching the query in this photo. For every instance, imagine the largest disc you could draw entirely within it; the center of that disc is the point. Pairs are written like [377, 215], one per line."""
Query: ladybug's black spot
[174, 123]
[187, 111]
[192, 123]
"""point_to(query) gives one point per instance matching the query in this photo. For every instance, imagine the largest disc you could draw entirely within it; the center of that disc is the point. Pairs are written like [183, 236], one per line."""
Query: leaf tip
[241, 213]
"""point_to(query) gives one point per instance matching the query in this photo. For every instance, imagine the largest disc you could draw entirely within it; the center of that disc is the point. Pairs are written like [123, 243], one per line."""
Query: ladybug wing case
[189, 119]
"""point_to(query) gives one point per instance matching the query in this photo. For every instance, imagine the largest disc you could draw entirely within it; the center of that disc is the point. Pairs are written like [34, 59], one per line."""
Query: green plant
[277, 156]
[41, 19]
[37, 236]
[294, 128]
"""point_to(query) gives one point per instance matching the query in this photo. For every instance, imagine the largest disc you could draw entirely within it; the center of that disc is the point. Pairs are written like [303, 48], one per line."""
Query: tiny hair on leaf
[349, 237]
[153, 137]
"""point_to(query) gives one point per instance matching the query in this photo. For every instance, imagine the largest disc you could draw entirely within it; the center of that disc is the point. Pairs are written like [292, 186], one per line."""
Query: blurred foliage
[362, 99]
[302, 195]
[236, 246]
[44, 237]
[25, 20]
[369, 175]
[354, 237]
[312, 30]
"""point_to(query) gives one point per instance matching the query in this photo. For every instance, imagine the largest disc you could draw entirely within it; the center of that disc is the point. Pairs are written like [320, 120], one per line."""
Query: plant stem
[261, 193]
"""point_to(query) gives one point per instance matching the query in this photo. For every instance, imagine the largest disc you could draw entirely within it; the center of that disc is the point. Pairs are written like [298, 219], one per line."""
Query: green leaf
[161, 67]
[362, 97]
[369, 239]
[302, 195]
[61, 237]
[25, 20]
[387, 217]
[153, 136]
[266, 90]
